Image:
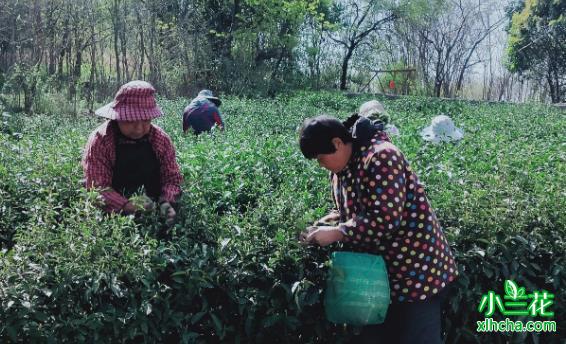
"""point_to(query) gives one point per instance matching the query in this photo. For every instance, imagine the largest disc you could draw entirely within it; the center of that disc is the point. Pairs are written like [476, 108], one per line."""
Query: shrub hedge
[231, 270]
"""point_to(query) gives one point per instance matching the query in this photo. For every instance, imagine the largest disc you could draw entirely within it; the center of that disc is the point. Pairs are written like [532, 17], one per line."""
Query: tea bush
[231, 269]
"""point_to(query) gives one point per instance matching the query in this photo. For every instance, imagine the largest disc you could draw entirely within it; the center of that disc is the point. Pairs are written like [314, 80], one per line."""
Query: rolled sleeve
[97, 168]
[170, 174]
[218, 118]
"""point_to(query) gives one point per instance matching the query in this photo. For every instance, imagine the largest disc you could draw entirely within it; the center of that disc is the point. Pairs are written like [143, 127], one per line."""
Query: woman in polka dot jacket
[382, 209]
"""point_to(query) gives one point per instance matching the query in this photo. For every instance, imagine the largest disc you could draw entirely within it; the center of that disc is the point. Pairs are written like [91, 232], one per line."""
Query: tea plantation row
[231, 269]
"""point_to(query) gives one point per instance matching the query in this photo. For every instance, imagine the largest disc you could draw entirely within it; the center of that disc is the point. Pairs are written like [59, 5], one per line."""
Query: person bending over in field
[375, 111]
[202, 114]
[382, 209]
[127, 154]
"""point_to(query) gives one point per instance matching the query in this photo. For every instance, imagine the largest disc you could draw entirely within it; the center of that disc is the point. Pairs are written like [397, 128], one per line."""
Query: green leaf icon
[521, 291]
[511, 289]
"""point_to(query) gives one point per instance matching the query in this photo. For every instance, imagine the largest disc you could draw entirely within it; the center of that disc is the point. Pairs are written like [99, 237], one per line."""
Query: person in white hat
[442, 129]
[375, 111]
[128, 153]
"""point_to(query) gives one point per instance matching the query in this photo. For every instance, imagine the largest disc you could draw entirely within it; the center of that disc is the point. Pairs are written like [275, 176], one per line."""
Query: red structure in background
[391, 84]
[405, 80]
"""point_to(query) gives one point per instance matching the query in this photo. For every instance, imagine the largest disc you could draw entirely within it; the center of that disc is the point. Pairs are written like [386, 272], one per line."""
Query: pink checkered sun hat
[135, 101]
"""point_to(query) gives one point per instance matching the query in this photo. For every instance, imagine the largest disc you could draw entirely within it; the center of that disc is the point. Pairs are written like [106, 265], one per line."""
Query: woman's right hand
[330, 218]
[129, 208]
[321, 235]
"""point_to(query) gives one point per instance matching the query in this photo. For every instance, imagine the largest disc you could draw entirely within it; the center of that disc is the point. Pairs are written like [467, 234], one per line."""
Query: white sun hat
[442, 129]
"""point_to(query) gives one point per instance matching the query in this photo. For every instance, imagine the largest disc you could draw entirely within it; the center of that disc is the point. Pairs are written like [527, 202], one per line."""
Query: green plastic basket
[357, 289]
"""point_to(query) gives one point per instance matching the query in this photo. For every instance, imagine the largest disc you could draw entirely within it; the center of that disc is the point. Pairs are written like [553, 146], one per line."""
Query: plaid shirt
[100, 156]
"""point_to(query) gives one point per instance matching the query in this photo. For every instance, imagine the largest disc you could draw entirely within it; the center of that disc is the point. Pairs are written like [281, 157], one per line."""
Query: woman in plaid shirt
[382, 209]
[127, 153]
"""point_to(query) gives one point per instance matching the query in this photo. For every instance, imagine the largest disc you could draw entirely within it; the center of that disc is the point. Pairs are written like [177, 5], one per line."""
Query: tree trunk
[30, 88]
[558, 86]
[37, 50]
[63, 51]
[28, 101]
[151, 57]
[553, 88]
[423, 63]
[123, 42]
[50, 24]
[345, 63]
[141, 47]
[271, 91]
[438, 81]
[91, 79]
[76, 74]
[318, 60]
[12, 44]
[552, 80]
[116, 28]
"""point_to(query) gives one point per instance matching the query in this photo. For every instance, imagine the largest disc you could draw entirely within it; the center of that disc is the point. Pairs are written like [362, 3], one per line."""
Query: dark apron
[136, 166]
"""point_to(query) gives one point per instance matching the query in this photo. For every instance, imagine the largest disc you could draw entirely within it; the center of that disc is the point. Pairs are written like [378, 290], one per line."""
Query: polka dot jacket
[384, 210]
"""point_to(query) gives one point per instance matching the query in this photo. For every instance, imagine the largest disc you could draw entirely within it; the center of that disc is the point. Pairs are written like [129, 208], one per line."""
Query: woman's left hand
[321, 235]
[168, 212]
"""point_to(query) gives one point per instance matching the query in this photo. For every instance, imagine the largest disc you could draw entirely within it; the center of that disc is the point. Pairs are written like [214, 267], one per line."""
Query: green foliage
[231, 270]
[30, 89]
[261, 60]
[21, 80]
[536, 41]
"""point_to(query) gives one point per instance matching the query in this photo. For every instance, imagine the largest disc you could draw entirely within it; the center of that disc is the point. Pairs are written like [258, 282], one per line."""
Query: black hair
[216, 101]
[316, 135]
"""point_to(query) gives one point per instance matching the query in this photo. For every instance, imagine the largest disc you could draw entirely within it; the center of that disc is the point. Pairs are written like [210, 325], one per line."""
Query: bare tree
[359, 20]
[445, 39]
